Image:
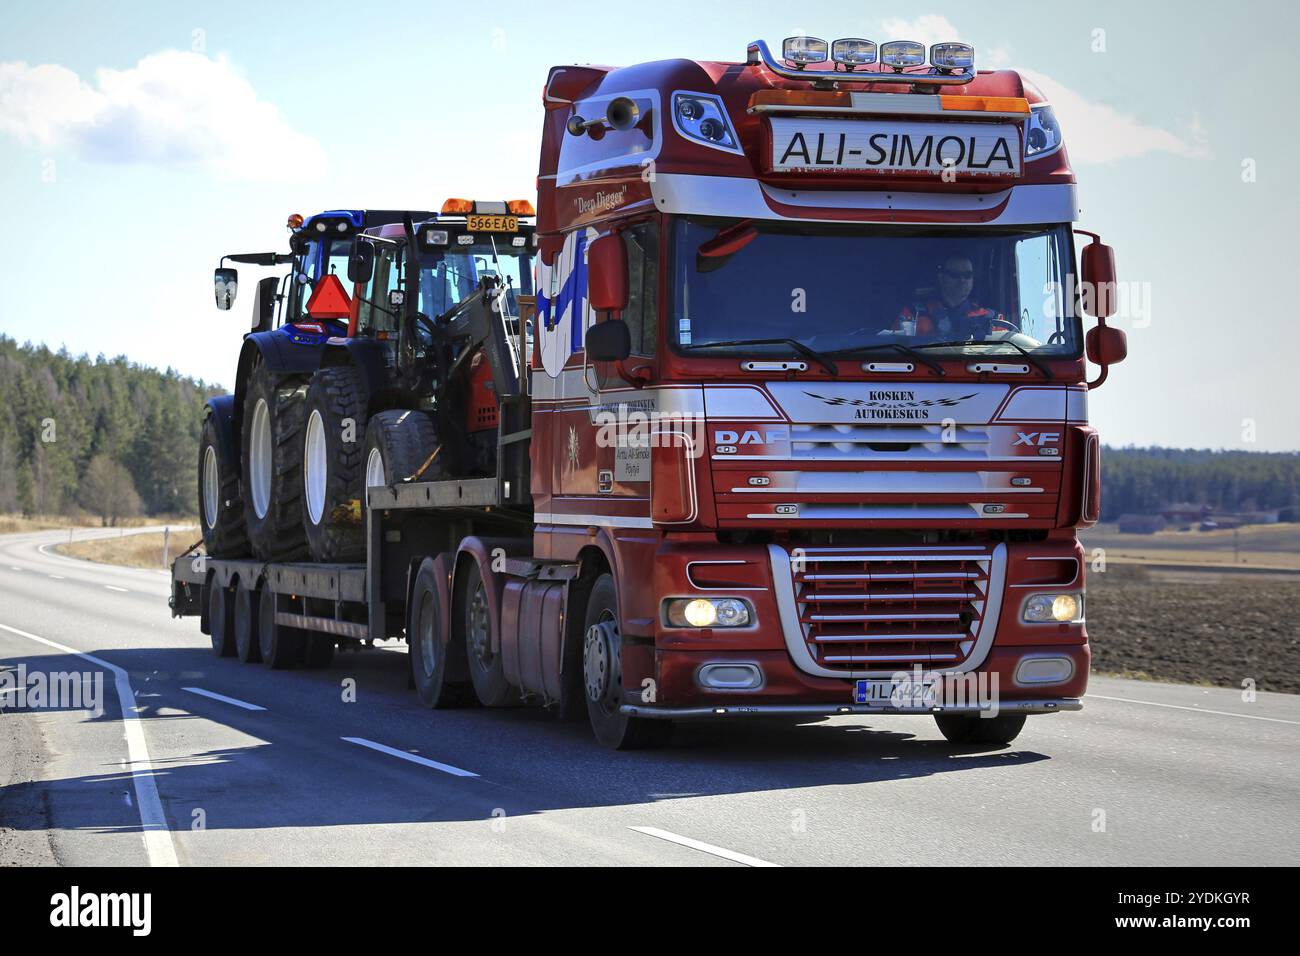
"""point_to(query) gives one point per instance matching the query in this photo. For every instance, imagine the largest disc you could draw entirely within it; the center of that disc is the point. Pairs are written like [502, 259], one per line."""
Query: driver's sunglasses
[958, 275]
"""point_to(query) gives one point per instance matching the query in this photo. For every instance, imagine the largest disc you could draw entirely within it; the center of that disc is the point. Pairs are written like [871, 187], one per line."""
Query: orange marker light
[454, 206]
[521, 207]
[295, 221]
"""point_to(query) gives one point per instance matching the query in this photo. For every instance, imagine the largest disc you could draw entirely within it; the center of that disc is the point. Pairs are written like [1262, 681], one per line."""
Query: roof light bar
[899, 54]
[453, 207]
[850, 52]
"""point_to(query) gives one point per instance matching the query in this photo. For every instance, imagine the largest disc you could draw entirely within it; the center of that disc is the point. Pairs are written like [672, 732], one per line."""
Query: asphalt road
[1146, 774]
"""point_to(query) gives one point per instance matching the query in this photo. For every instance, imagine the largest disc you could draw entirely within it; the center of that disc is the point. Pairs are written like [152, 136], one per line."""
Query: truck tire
[280, 646]
[221, 510]
[487, 670]
[399, 444]
[433, 657]
[274, 416]
[220, 625]
[246, 621]
[603, 676]
[333, 465]
[974, 729]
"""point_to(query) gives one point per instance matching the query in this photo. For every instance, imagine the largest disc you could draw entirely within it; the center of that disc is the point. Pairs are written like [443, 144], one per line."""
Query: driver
[953, 312]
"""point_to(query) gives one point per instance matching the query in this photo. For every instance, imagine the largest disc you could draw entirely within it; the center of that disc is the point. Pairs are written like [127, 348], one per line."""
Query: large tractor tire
[221, 510]
[274, 416]
[333, 465]
[401, 446]
[602, 670]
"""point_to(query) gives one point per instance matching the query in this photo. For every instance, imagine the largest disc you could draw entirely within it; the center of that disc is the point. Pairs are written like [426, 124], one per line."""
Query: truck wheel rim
[478, 627]
[374, 469]
[427, 661]
[601, 668]
[259, 458]
[210, 486]
[315, 467]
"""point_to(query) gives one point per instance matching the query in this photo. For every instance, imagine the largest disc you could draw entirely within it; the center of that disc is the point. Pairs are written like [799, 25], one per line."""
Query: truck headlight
[703, 118]
[708, 612]
[1043, 134]
[1053, 608]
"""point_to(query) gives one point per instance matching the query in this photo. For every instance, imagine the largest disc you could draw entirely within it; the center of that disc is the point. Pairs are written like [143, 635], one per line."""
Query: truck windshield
[841, 290]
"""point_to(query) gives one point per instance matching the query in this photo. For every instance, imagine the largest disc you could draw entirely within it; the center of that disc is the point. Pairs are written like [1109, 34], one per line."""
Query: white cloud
[1097, 133]
[170, 109]
[1094, 132]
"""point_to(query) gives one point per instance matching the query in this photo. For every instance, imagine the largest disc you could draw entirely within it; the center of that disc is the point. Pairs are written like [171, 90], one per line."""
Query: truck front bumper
[733, 709]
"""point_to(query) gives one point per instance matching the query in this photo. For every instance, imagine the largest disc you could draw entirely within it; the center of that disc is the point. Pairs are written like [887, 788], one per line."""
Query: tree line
[1144, 480]
[104, 436]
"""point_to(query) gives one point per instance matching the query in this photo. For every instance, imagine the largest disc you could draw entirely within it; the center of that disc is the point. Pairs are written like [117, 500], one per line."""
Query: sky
[139, 142]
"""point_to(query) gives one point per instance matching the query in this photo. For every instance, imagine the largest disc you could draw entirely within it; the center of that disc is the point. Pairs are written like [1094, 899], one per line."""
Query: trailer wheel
[603, 675]
[318, 653]
[274, 416]
[487, 670]
[246, 622]
[220, 627]
[400, 446]
[221, 510]
[333, 465]
[433, 657]
[974, 729]
[280, 646]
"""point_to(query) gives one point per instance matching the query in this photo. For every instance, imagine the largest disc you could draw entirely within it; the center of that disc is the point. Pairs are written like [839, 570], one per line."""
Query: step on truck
[800, 428]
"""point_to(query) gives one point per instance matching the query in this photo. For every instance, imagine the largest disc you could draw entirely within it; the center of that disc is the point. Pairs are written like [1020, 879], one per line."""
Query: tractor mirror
[607, 273]
[225, 283]
[361, 264]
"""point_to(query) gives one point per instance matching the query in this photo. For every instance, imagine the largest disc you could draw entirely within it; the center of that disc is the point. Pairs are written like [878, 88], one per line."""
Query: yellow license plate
[492, 223]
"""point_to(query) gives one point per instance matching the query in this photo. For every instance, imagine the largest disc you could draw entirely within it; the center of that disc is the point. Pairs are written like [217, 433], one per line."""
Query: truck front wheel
[974, 729]
[602, 672]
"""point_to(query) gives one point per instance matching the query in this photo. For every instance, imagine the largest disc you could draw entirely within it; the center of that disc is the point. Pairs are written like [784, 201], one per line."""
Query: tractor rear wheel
[221, 510]
[274, 415]
[401, 445]
[333, 465]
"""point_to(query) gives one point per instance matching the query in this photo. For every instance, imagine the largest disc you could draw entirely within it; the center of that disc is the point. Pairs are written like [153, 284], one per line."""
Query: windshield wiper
[795, 344]
[897, 347]
[1029, 356]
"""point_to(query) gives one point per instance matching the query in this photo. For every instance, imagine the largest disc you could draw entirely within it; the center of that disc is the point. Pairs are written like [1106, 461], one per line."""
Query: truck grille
[891, 608]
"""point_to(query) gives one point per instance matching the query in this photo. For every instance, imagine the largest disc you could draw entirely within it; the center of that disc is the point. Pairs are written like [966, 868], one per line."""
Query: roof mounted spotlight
[851, 52]
[952, 56]
[804, 50]
[899, 54]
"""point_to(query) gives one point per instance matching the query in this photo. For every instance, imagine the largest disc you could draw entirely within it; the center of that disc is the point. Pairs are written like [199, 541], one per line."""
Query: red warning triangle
[329, 300]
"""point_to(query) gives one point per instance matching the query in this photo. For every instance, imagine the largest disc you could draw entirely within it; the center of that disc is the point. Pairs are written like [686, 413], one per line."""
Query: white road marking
[223, 698]
[14, 568]
[114, 587]
[703, 847]
[423, 761]
[57, 577]
[153, 822]
[1196, 710]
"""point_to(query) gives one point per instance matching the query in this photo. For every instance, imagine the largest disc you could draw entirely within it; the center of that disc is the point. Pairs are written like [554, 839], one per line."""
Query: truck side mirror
[1106, 345]
[225, 282]
[1099, 278]
[361, 263]
[607, 273]
[608, 341]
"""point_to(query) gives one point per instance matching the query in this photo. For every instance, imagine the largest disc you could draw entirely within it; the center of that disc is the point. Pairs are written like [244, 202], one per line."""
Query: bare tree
[108, 491]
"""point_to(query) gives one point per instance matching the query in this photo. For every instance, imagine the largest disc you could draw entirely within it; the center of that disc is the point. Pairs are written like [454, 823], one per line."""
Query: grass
[21, 524]
[133, 550]
[1258, 546]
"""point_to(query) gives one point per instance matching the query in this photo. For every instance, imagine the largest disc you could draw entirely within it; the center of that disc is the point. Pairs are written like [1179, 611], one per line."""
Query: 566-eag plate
[480, 223]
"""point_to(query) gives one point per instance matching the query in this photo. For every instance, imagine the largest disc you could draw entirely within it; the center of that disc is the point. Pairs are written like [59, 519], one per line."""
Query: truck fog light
[707, 612]
[730, 676]
[1044, 670]
[1048, 608]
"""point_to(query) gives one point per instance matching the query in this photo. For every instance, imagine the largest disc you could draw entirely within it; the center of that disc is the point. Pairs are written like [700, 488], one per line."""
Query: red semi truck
[803, 424]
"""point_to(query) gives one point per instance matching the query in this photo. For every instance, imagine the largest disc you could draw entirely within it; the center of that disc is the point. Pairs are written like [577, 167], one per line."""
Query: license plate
[894, 146]
[898, 693]
[492, 223]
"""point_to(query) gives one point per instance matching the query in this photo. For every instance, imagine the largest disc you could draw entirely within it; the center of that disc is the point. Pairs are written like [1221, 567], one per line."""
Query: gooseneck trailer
[793, 421]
